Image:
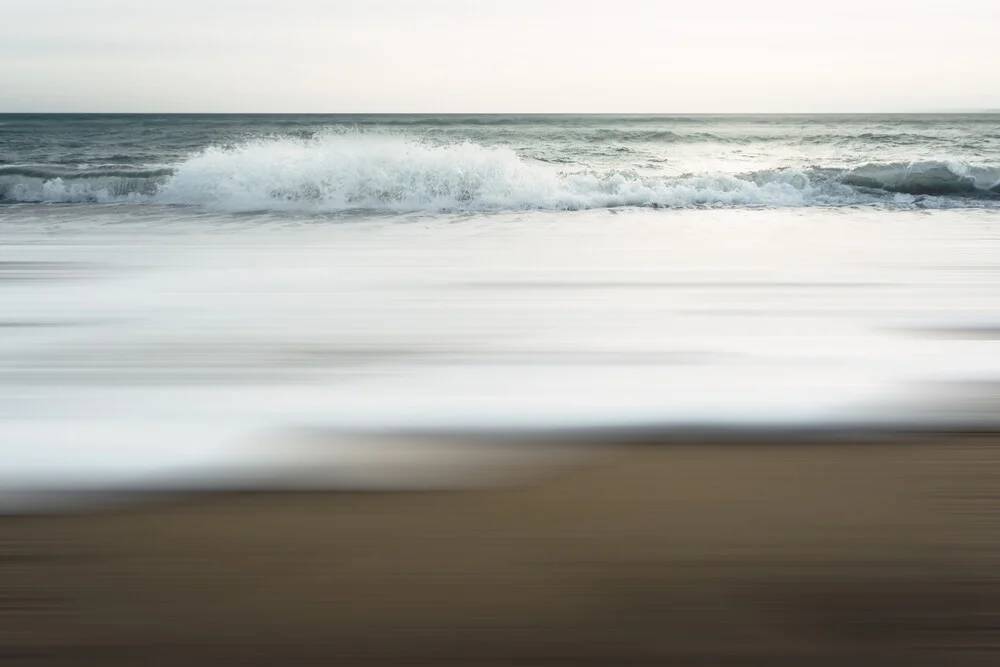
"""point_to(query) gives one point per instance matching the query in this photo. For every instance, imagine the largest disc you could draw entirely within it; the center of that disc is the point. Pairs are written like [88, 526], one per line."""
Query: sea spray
[375, 171]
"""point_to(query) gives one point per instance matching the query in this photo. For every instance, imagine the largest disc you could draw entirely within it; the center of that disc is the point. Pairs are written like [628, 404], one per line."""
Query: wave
[46, 172]
[604, 135]
[865, 138]
[929, 177]
[105, 186]
[344, 172]
[492, 120]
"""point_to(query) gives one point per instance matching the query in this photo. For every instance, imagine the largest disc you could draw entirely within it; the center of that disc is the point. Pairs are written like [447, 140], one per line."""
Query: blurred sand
[826, 550]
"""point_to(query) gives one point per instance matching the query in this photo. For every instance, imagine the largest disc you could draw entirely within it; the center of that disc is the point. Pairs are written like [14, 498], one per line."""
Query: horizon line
[503, 113]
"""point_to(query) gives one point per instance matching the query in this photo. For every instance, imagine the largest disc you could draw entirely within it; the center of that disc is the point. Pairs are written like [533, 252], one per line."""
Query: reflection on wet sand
[706, 437]
[711, 549]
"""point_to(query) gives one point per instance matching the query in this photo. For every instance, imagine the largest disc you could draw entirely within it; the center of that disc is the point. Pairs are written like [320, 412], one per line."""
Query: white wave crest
[364, 171]
[384, 172]
[59, 190]
[358, 171]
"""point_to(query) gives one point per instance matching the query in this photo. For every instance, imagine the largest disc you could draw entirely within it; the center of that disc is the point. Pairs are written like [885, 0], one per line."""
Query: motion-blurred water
[173, 287]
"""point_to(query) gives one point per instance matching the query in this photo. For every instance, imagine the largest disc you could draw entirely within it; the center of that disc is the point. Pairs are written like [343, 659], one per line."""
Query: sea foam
[385, 172]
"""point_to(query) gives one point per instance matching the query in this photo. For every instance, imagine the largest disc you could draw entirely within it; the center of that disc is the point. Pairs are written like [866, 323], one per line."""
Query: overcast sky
[639, 56]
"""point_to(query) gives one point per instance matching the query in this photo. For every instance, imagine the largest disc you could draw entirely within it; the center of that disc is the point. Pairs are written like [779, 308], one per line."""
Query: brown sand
[880, 551]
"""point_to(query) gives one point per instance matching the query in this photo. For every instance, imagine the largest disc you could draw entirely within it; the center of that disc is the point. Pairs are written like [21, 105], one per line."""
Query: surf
[360, 171]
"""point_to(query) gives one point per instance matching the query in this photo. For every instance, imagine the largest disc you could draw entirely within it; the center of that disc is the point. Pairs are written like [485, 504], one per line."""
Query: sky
[513, 56]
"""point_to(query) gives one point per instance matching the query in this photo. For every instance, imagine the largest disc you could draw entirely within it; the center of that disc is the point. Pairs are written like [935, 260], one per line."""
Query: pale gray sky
[438, 56]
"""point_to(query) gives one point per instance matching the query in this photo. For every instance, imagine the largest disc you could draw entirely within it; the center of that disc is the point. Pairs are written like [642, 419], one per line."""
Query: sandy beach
[499, 334]
[685, 550]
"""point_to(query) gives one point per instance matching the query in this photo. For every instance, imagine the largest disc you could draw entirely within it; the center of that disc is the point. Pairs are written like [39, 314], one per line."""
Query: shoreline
[688, 551]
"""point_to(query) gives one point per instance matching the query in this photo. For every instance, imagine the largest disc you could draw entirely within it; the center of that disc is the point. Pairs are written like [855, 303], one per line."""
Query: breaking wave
[340, 172]
[928, 178]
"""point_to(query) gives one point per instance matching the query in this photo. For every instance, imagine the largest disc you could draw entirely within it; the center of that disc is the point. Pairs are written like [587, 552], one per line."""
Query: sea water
[175, 287]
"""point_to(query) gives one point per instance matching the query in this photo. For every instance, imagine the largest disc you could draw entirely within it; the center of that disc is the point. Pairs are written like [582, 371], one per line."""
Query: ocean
[354, 165]
[174, 287]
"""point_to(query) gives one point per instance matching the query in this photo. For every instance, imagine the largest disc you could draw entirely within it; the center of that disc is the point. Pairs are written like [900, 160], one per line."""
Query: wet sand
[821, 550]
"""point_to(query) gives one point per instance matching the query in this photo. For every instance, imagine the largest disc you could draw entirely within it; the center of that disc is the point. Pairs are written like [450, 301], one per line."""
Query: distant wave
[340, 172]
[928, 178]
[46, 172]
[49, 184]
[602, 135]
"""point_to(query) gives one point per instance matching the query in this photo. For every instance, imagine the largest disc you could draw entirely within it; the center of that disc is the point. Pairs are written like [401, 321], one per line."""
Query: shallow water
[440, 276]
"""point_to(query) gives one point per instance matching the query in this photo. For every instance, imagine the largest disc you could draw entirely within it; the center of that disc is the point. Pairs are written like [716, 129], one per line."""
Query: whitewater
[345, 165]
[181, 293]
